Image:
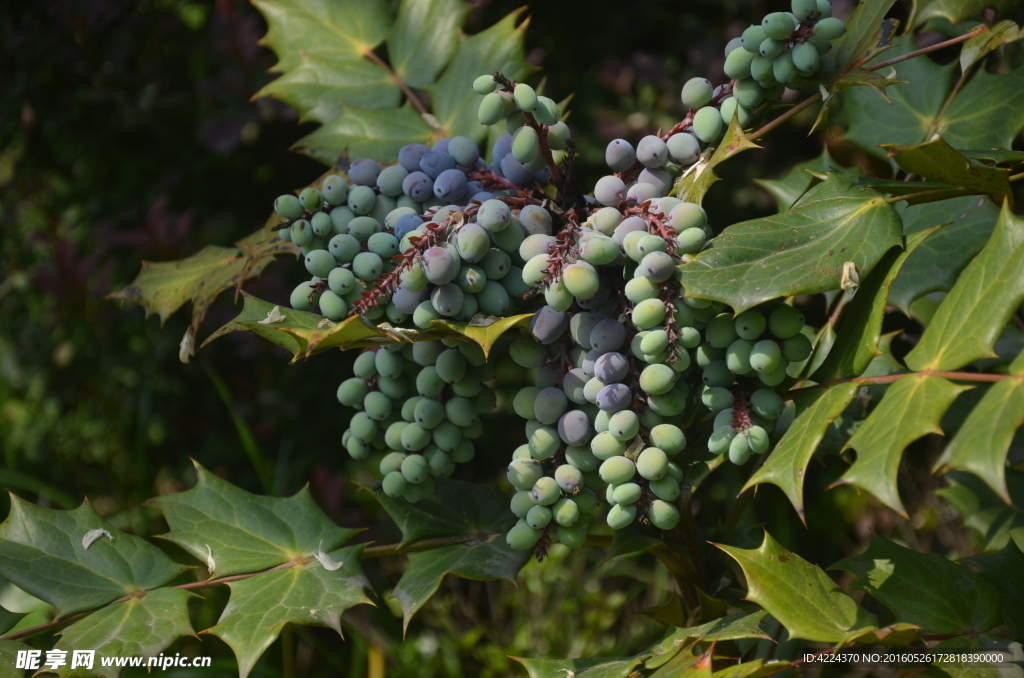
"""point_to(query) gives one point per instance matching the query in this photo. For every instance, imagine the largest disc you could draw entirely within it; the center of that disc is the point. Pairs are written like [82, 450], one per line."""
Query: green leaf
[489, 558]
[338, 29]
[46, 552]
[686, 664]
[789, 188]
[996, 156]
[141, 627]
[956, 11]
[500, 48]
[867, 34]
[243, 532]
[580, 668]
[987, 113]
[753, 669]
[799, 594]
[974, 313]
[801, 251]
[971, 644]
[911, 408]
[989, 40]
[486, 335]
[936, 160]
[457, 508]
[346, 334]
[9, 657]
[376, 134]
[319, 87]
[983, 511]
[935, 266]
[912, 192]
[255, 310]
[877, 80]
[927, 590]
[1002, 570]
[732, 627]
[305, 594]
[420, 43]
[8, 620]
[699, 177]
[787, 463]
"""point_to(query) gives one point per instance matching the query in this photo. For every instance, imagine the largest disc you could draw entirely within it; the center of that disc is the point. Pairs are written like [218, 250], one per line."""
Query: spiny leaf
[318, 339]
[305, 594]
[686, 664]
[141, 627]
[619, 667]
[877, 80]
[731, 627]
[243, 532]
[927, 590]
[8, 658]
[695, 182]
[1002, 570]
[457, 508]
[912, 192]
[486, 335]
[974, 313]
[990, 39]
[377, 134]
[799, 594]
[956, 11]
[787, 463]
[911, 408]
[752, 669]
[8, 620]
[984, 512]
[987, 113]
[936, 264]
[420, 43]
[491, 559]
[801, 251]
[789, 188]
[255, 311]
[867, 34]
[42, 551]
[962, 667]
[936, 160]
[500, 48]
[860, 329]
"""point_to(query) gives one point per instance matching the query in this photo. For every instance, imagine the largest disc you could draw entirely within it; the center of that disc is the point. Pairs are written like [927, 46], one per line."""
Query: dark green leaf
[580, 668]
[936, 160]
[376, 134]
[686, 664]
[947, 667]
[457, 508]
[239, 532]
[927, 590]
[976, 48]
[911, 408]
[420, 43]
[141, 627]
[305, 594]
[255, 311]
[984, 512]
[866, 35]
[987, 113]
[996, 156]
[752, 669]
[699, 177]
[974, 313]
[799, 594]
[46, 552]
[879, 80]
[935, 266]
[788, 462]
[1003, 571]
[789, 188]
[801, 251]
[9, 657]
[956, 11]
[732, 627]
[8, 620]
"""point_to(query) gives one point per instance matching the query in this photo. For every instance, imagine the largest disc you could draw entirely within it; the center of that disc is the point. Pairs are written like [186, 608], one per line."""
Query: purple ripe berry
[614, 398]
[439, 266]
[607, 335]
[418, 186]
[611, 367]
[363, 172]
[450, 186]
[574, 427]
[548, 324]
[410, 155]
[435, 162]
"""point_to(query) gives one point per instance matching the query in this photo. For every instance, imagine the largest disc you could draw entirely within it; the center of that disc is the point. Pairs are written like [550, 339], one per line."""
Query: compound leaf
[787, 463]
[377, 134]
[911, 408]
[801, 251]
[141, 627]
[420, 43]
[927, 590]
[74, 559]
[240, 532]
[305, 594]
[799, 594]
[972, 316]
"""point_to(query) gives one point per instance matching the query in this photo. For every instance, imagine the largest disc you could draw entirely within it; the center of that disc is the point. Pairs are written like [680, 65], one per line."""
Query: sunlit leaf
[699, 177]
[789, 188]
[486, 334]
[936, 160]
[254, 316]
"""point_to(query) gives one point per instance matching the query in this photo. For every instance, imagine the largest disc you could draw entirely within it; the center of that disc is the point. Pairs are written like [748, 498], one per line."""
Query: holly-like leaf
[305, 594]
[984, 511]
[936, 160]
[956, 11]
[420, 43]
[989, 40]
[483, 560]
[732, 627]
[911, 408]
[488, 331]
[8, 619]
[787, 464]
[699, 177]
[686, 664]
[802, 251]
[753, 669]
[936, 264]
[500, 48]
[966, 666]
[346, 334]
[58, 557]
[141, 627]
[799, 594]
[1002, 570]
[255, 311]
[239, 532]
[983, 441]
[879, 81]
[974, 313]
[927, 590]
[867, 34]
[8, 658]
[377, 134]
[618, 667]
[789, 188]
[456, 509]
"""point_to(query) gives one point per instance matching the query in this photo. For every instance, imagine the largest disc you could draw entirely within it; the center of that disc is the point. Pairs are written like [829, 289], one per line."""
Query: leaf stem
[889, 378]
[409, 94]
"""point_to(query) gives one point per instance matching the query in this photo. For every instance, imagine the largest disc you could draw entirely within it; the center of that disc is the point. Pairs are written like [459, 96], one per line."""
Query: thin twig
[889, 378]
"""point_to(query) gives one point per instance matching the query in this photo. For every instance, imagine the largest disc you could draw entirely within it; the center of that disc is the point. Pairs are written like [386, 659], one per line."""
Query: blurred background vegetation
[127, 133]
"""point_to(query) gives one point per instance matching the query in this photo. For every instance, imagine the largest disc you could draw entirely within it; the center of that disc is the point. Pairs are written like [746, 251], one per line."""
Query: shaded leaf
[867, 34]
[487, 335]
[244, 532]
[732, 627]
[970, 644]
[686, 664]
[457, 508]
[987, 113]
[936, 264]
[420, 43]
[305, 594]
[669, 613]
[984, 512]
[996, 156]
[990, 39]
[877, 80]
[8, 620]
[789, 188]
[936, 160]
[955, 11]
[491, 559]
[580, 668]
[9, 657]
[927, 590]
[913, 192]
[754, 669]
[801, 251]
[787, 464]
[974, 313]
[141, 627]
[41, 551]
[256, 310]
[799, 594]
[699, 177]
[376, 134]
[1003, 571]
